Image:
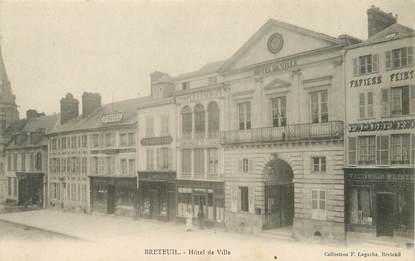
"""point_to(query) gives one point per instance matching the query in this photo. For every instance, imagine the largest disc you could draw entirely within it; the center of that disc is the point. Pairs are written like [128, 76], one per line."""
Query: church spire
[8, 107]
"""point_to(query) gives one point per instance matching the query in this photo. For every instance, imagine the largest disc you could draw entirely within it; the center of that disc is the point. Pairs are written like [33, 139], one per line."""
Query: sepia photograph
[272, 130]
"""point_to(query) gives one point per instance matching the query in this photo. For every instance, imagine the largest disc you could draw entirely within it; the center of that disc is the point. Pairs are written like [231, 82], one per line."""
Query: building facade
[283, 137]
[156, 151]
[27, 168]
[380, 98]
[92, 157]
[200, 106]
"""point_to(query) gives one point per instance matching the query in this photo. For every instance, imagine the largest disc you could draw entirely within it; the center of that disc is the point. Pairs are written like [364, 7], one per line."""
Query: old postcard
[207, 130]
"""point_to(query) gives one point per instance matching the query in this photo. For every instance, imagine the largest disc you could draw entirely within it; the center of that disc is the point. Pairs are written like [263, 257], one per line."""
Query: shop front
[114, 195]
[30, 189]
[380, 201]
[201, 197]
[157, 192]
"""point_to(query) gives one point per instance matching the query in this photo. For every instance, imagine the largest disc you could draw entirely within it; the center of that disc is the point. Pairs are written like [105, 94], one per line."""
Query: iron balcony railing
[294, 132]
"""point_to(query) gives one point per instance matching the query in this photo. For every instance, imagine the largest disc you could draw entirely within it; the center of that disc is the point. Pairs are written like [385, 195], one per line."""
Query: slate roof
[205, 69]
[93, 121]
[40, 125]
[392, 32]
[11, 129]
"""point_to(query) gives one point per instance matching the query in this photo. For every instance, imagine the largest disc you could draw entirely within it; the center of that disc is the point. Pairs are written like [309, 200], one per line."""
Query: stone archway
[279, 194]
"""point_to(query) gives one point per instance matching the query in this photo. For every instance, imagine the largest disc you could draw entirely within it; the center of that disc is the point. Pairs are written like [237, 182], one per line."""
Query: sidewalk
[114, 238]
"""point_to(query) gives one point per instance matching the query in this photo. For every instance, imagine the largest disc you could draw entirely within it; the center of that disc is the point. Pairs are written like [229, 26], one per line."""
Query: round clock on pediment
[275, 43]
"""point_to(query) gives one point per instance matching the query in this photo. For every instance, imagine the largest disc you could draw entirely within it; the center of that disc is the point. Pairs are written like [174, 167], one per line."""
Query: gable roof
[40, 125]
[93, 121]
[11, 129]
[275, 23]
[392, 32]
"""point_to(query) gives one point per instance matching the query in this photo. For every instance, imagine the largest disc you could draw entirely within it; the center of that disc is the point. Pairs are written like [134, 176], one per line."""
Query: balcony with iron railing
[294, 132]
[200, 138]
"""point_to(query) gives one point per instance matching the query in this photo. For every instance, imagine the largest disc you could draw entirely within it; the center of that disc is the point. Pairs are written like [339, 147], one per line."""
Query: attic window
[185, 85]
[391, 35]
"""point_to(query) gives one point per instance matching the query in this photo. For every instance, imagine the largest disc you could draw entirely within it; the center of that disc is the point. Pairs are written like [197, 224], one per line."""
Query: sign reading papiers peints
[375, 80]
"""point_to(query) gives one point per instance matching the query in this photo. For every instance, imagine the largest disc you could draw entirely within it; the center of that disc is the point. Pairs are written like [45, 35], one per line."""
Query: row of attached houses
[297, 130]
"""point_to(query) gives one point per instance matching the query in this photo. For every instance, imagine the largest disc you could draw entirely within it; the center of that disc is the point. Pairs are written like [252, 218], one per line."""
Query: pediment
[276, 84]
[277, 40]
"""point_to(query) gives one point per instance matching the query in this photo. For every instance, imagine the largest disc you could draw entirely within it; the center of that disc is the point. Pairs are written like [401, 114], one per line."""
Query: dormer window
[212, 80]
[391, 35]
[185, 85]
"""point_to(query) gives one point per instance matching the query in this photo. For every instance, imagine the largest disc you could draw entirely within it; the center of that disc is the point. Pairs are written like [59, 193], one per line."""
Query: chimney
[32, 114]
[161, 85]
[377, 20]
[90, 103]
[69, 108]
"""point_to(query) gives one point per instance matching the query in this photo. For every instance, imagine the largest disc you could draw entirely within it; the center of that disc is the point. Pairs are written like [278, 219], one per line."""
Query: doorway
[384, 214]
[199, 200]
[111, 199]
[278, 194]
[155, 203]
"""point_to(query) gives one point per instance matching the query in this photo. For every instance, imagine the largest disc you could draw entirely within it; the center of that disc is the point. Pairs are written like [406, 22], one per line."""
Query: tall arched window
[213, 120]
[199, 121]
[187, 122]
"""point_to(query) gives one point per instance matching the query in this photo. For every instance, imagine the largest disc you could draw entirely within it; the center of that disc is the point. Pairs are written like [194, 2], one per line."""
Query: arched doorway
[279, 194]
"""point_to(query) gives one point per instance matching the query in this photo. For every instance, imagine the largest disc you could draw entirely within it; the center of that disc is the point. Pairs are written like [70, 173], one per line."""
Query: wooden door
[384, 214]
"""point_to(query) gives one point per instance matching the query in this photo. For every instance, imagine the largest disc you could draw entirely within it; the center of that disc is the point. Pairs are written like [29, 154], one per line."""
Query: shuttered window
[382, 154]
[400, 148]
[244, 199]
[186, 161]
[352, 151]
[367, 150]
[318, 204]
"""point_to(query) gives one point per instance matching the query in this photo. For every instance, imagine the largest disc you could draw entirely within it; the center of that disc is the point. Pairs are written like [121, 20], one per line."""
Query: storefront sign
[381, 177]
[402, 76]
[366, 81]
[199, 96]
[112, 117]
[156, 141]
[275, 67]
[375, 80]
[382, 125]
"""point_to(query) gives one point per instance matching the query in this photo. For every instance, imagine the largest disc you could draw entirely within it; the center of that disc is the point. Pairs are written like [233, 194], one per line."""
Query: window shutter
[170, 158]
[412, 100]
[240, 166]
[352, 151]
[410, 55]
[355, 66]
[385, 102]
[251, 165]
[361, 105]
[388, 60]
[252, 199]
[234, 198]
[375, 63]
[158, 159]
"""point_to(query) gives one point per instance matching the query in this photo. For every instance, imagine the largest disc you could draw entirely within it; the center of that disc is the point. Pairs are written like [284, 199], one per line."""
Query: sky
[51, 48]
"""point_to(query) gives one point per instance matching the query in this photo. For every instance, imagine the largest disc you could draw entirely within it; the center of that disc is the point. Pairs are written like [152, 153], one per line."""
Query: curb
[46, 230]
